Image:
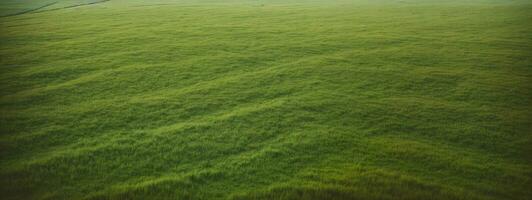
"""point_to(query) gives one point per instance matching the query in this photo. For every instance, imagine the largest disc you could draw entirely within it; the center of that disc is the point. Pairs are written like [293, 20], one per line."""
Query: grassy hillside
[268, 99]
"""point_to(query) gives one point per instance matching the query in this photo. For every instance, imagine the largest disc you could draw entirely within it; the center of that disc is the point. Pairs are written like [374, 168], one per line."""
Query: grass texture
[267, 99]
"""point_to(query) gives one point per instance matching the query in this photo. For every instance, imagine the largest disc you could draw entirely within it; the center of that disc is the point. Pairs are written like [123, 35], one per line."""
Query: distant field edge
[40, 8]
[29, 10]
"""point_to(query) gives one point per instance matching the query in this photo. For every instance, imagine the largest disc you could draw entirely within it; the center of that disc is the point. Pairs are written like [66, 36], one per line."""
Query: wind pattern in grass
[412, 99]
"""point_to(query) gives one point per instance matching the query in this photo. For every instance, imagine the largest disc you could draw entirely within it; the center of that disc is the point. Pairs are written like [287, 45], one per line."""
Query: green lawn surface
[266, 99]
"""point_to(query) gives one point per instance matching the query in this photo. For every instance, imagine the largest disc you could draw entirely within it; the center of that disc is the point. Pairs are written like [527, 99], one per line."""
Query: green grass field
[266, 99]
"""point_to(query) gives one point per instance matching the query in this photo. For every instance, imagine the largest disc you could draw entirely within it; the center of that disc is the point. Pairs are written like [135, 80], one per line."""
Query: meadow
[266, 99]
